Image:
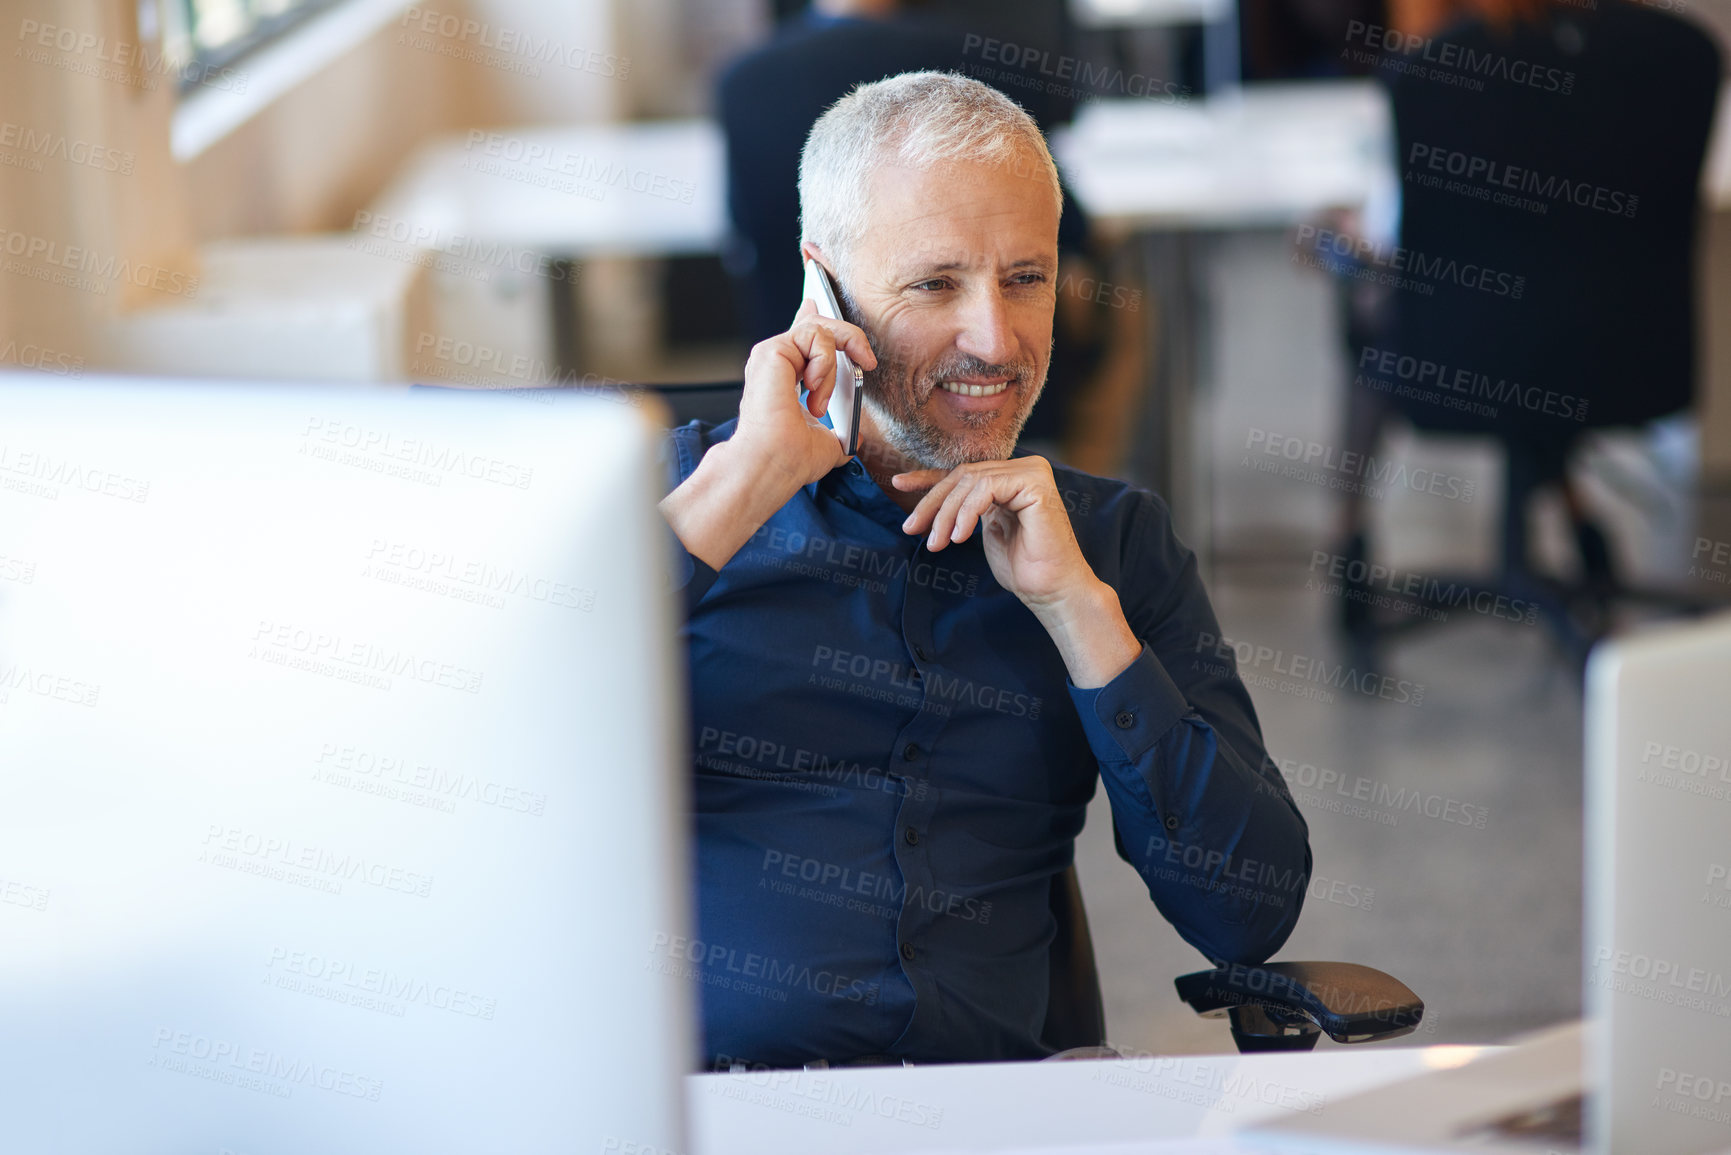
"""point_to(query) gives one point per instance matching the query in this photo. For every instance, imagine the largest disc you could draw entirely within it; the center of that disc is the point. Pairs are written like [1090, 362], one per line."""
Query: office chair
[1273, 1007]
[1278, 1006]
[1584, 292]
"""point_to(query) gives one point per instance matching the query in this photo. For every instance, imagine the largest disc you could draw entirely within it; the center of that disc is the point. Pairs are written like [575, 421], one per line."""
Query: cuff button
[1172, 822]
[1125, 719]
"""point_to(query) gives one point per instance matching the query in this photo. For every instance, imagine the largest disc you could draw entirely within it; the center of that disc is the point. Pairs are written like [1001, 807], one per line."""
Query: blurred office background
[523, 193]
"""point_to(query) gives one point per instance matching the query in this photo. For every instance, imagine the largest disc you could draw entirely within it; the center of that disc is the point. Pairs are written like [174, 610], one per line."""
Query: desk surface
[1003, 1106]
[655, 188]
[1275, 155]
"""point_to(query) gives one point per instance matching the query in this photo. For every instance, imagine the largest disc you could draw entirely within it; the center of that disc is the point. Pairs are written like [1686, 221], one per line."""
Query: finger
[962, 508]
[918, 479]
[771, 374]
[921, 517]
[850, 339]
[818, 375]
[944, 520]
[969, 513]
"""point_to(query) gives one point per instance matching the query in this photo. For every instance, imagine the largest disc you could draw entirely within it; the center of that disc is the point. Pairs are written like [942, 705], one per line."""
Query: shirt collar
[852, 485]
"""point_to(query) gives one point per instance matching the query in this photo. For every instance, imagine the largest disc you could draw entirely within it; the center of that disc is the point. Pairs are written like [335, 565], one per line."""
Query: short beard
[895, 398]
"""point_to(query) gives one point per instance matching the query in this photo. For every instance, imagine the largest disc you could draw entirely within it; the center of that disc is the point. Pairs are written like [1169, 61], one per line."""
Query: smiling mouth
[963, 389]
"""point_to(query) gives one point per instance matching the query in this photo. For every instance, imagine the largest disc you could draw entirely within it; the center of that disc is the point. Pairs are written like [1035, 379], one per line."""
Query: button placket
[910, 841]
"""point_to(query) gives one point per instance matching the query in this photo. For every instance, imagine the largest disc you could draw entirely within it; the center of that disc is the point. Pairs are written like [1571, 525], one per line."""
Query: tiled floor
[1481, 917]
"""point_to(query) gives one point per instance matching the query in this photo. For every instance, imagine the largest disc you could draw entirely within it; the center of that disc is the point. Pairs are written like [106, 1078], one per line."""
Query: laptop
[1649, 1070]
[340, 803]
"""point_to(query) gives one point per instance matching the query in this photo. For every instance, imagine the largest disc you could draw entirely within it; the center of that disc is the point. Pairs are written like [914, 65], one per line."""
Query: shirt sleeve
[688, 576]
[1198, 807]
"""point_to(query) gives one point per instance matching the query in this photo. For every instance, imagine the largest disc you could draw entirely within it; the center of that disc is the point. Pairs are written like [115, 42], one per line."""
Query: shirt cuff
[688, 576]
[1125, 717]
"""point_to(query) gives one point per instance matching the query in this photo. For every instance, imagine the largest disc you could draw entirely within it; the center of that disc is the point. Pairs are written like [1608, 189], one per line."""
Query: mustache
[952, 368]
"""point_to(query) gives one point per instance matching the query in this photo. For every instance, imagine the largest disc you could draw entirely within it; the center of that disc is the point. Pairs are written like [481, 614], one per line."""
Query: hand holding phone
[844, 399]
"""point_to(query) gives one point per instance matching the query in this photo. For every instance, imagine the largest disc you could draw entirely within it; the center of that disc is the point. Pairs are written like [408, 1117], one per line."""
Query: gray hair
[918, 119]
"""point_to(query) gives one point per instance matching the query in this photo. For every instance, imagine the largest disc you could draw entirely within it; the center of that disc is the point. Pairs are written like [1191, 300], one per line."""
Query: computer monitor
[1649, 1070]
[340, 795]
[1658, 883]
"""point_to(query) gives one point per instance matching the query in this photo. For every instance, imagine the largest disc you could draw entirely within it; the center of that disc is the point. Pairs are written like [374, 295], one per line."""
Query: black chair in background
[1566, 208]
[1277, 1006]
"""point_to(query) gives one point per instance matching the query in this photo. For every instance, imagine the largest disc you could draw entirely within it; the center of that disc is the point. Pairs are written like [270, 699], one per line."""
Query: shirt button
[910, 752]
[908, 951]
[1172, 822]
[855, 468]
[1125, 719]
[911, 836]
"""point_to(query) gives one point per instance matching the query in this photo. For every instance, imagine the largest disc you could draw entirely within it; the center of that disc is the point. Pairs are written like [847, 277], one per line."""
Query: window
[210, 34]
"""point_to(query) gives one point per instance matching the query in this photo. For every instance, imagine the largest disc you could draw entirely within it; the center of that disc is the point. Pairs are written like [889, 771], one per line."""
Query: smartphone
[844, 399]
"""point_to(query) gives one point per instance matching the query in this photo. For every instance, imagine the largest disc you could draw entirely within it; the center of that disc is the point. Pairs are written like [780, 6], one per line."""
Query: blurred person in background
[911, 670]
[1557, 144]
[768, 100]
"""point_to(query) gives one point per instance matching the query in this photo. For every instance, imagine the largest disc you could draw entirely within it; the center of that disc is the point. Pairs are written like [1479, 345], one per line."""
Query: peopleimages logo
[1718, 888]
[1390, 587]
[724, 966]
[1450, 63]
[1492, 181]
[1691, 1095]
[498, 46]
[39, 144]
[1311, 461]
[134, 65]
[42, 359]
[561, 169]
[1303, 669]
[1381, 802]
[46, 259]
[845, 887]
[1027, 66]
[1717, 553]
[854, 565]
[1364, 259]
[226, 1061]
[933, 689]
[1454, 387]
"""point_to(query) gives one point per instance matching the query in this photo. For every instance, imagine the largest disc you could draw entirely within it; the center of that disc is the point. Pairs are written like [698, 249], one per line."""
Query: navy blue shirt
[891, 765]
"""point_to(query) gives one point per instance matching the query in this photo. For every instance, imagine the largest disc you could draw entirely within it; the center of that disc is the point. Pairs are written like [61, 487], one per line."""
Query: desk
[999, 1106]
[568, 191]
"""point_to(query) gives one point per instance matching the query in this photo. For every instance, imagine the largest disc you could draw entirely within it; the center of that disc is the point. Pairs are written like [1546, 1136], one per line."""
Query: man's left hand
[1029, 542]
[1032, 551]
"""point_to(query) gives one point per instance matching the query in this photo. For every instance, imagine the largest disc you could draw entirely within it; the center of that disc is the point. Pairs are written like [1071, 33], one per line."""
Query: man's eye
[933, 286]
[1029, 279]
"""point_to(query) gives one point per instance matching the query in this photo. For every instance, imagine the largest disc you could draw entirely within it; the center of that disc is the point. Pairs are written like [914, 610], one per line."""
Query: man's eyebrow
[1040, 264]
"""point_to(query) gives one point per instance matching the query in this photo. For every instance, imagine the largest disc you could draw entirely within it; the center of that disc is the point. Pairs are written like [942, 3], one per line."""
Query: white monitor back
[339, 802]
[1658, 918]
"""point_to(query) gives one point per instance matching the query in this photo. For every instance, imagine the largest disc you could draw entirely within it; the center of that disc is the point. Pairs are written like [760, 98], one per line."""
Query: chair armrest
[1347, 1002]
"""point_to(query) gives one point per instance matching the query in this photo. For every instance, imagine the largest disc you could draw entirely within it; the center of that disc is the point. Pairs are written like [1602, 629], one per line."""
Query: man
[910, 670]
[767, 101]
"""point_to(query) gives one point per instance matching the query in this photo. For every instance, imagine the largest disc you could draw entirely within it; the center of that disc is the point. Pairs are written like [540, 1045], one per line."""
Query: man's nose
[986, 330]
